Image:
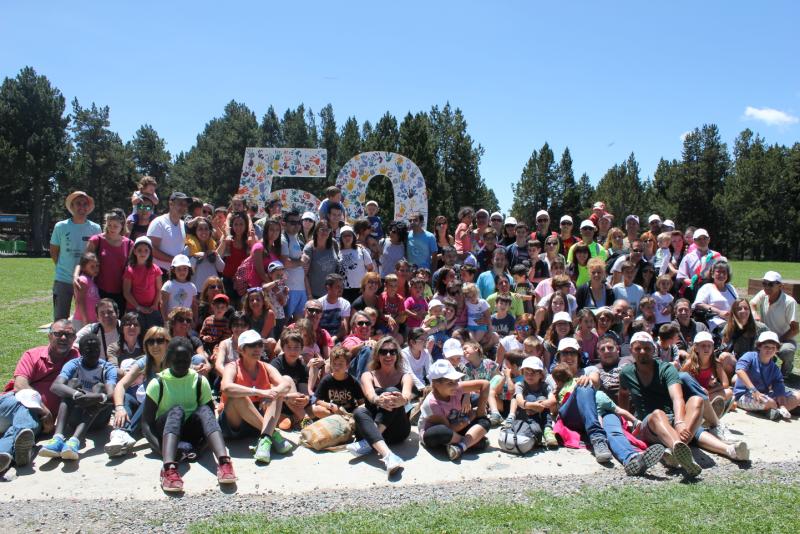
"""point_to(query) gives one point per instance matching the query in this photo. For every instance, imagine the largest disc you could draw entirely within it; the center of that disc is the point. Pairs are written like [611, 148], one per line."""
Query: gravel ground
[174, 514]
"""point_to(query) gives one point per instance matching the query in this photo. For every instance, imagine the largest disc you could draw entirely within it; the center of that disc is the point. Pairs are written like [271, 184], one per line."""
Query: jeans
[62, 300]
[135, 410]
[786, 354]
[14, 417]
[691, 387]
[441, 435]
[580, 413]
[619, 444]
[396, 421]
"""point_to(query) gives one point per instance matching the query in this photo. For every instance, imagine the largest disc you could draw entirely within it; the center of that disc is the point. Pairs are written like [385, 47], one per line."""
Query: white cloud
[684, 135]
[772, 117]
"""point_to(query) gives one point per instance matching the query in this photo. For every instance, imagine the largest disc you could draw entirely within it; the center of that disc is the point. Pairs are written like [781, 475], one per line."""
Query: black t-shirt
[504, 326]
[296, 372]
[344, 393]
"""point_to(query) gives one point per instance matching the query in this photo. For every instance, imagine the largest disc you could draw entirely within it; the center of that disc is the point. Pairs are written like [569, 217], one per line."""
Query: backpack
[328, 432]
[521, 437]
[240, 284]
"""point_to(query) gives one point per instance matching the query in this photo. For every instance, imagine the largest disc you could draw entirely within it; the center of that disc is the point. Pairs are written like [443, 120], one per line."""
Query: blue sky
[604, 79]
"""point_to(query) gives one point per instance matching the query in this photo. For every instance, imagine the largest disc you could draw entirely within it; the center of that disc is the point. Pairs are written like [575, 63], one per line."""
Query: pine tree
[415, 143]
[621, 189]
[585, 196]
[150, 154]
[533, 192]
[569, 201]
[270, 134]
[329, 140]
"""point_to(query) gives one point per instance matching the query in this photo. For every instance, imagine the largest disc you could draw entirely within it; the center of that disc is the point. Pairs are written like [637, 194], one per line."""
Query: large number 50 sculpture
[262, 165]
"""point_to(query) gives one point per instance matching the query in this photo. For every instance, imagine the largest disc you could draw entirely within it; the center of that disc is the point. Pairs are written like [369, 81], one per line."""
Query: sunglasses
[497, 220]
[156, 341]
[637, 250]
[522, 328]
[126, 325]
[63, 334]
[215, 286]
[205, 212]
[293, 222]
[363, 323]
[144, 208]
[183, 319]
[388, 352]
[253, 289]
[551, 243]
[566, 223]
[542, 220]
[313, 311]
[769, 284]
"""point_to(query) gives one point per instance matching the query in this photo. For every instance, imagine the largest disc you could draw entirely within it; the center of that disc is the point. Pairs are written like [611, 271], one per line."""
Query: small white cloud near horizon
[772, 117]
[684, 135]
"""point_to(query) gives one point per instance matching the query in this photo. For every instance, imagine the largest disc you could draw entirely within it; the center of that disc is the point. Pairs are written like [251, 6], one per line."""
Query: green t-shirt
[179, 392]
[654, 396]
[605, 406]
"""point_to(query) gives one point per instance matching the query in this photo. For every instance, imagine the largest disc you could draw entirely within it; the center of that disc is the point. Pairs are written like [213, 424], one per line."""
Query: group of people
[208, 324]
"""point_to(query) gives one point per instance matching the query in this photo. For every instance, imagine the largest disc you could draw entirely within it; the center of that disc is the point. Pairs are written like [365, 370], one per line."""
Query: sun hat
[443, 369]
[248, 337]
[562, 316]
[30, 398]
[533, 363]
[703, 336]
[181, 261]
[569, 343]
[435, 302]
[310, 215]
[75, 194]
[452, 347]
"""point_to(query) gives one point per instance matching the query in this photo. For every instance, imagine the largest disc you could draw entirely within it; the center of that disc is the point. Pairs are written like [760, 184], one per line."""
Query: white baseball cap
[435, 302]
[443, 369]
[668, 223]
[372, 203]
[569, 343]
[700, 232]
[30, 398]
[542, 212]
[772, 276]
[143, 239]
[654, 217]
[562, 316]
[532, 362]
[566, 218]
[768, 336]
[496, 214]
[632, 218]
[642, 337]
[181, 260]
[598, 206]
[588, 224]
[346, 228]
[703, 336]
[248, 337]
[510, 221]
[452, 347]
[310, 215]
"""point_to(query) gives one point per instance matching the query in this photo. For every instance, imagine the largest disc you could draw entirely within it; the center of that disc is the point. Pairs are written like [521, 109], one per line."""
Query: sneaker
[640, 462]
[393, 464]
[454, 451]
[549, 437]
[508, 423]
[683, 454]
[718, 404]
[721, 432]
[784, 413]
[225, 474]
[741, 453]
[495, 418]
[601, 451]
[23, 446]
[5, 461]
[70, 450]
[120, 443]
[262, 452]
[280, 444]
[171, 480]
[359, 448]
[774, 415]
[669, 460]
[53, 447]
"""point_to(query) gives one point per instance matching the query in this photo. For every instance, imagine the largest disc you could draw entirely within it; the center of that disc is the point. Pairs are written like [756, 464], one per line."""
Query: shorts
[296, 302]
[648, 436]
[477, 328]
[749, 403]
[244, 430]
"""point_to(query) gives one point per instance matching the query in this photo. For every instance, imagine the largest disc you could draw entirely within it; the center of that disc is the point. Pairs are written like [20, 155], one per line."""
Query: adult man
[107, 327]
[698, 264]
[67, 243]
[291, 251]
[542, 226]
[421, 246]
[565, 238]
[636, 257]
[631, 230]
[335, 217]
[31, 405]
[654, 222]
[588, 231]
[168, 232]
[688, 327]
[496, 222]
[778, 311]
[485, 281]
[652, 388]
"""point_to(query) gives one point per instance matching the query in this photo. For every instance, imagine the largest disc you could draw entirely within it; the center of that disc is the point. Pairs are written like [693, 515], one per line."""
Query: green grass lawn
[745, 505]
[744, 270]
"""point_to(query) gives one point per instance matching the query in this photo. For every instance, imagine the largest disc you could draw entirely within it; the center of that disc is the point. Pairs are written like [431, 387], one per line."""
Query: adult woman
[355, 263]
[463, 235]
[383, 420]
[307, 224]
[202, 251]
[595, 293]
[234, 249]
[578, 270]
[454, 291]
[130, 389]
[227, 350]
[112, 249]
[560, 328]
[523, 327]
[252, 398]
[258, 312]
[545, 287]
[648, 273]
[503, 287]
[443, 239]
[265, 252]
[615, 242]
[403, 271]
[128, 346]
[650, 246]
[546, 307]
[605, 318]
[370, 296]
[360, 332]
[393, 247]
[320, 258]
[441, 278]
[715, 299]
[180, 325]
[137, 223]
[179, 407]
[739, 335]
[551, 253]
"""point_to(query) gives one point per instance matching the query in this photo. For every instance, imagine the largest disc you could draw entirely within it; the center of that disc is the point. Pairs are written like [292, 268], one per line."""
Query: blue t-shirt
[71, 240]
[766, 377]
[103, 372]
[377, 226]
[420, 247]
[485, 283]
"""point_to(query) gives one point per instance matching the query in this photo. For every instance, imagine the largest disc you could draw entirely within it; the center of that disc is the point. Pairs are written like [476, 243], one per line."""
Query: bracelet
[119, 407]
[678, 422]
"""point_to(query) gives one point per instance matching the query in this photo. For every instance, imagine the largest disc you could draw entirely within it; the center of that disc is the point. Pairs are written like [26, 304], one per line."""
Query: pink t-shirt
[143, 284]
[112, 262]
[92, 297]
[253, 280]
[463, 239]
[419, 307]
[450, 409]
[41, 372]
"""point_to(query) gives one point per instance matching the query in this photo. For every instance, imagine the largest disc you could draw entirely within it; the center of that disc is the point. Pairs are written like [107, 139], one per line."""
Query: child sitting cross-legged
[533, 396]
[85, 385]
[337, 391]
[476, 367]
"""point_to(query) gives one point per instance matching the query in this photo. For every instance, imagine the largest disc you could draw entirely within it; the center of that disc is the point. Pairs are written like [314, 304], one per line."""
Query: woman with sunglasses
[551, 253]
[180, 325]
[523, 328]
[383, 420]
[129, 393]
[360, 333]
[443, 239]
[320, 258]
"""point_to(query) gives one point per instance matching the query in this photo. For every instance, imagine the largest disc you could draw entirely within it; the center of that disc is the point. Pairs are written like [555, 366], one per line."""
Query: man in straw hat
[67, 243]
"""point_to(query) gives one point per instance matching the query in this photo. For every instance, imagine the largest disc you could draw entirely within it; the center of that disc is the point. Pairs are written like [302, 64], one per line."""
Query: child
[564, 384]
[436, 341]
[216, 327]
[523, 287]
[338, 391]
[417, 359]
[476, 367]
[415, 304]
[85, 385]
[663, 299]
[586, 335]
[289, 363]
[668, 337]
[443, 421]
[179, 291]
[435, 320]
[532, 399]
[663, 254]
[87, 295]
[502, 321]
[374, 219]
[426, 275]
[146, 189]
[647, 314]
[278, 293]
[333, 195]
[311, 354]
[502, 385]
[141, 284]
[477, 309]
[453, 352]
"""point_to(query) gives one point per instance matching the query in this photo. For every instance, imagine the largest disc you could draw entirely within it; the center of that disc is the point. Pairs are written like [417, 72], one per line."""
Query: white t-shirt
[475, 311]
[710, 295]
[662, 301]
[295, 276]
[418, 368]
[632, 293]
[333, 313]
[510, 343]
[181, 294]
[173, 237]
[354, 264]
[779, 315]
